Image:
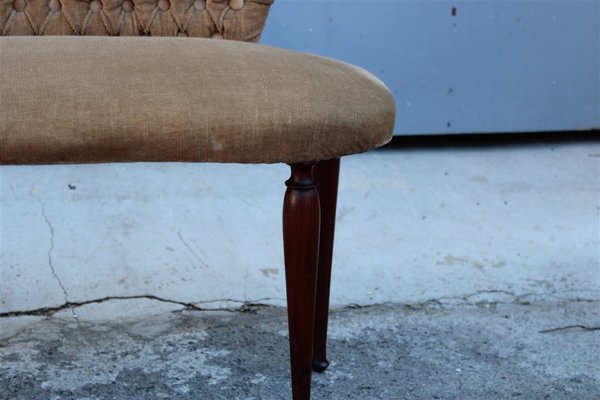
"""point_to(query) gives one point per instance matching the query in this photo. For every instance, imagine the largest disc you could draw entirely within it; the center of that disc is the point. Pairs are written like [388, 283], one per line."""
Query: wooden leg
[301, 229]
[326, 174]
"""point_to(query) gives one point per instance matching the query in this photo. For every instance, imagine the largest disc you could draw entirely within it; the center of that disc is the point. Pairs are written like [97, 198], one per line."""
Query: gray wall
[494, 66]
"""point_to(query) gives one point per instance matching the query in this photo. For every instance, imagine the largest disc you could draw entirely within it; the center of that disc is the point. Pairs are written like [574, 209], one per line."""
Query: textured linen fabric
[69, 99]
[229, 19]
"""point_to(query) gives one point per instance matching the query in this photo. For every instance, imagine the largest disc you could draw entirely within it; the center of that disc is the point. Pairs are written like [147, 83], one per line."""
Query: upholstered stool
[74, 99]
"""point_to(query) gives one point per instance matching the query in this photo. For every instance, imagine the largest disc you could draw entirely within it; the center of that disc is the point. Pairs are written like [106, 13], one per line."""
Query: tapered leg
[301, 229]
[326, 174]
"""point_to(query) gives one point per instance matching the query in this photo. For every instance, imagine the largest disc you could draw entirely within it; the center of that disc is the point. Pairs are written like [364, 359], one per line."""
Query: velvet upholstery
[66, 99]
[229, 19]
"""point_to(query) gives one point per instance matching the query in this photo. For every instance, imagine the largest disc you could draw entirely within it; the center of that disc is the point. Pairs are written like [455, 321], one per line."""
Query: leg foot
[319, 365]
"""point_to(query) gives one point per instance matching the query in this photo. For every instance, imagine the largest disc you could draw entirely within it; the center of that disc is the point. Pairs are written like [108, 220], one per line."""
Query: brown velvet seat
[68, 99]
[128, 99]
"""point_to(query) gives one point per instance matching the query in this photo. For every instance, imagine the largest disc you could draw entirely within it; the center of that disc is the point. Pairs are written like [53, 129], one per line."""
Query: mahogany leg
[301, 229]
[326, 174]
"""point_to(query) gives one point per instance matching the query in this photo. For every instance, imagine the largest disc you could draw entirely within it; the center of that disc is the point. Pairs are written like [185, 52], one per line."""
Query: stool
[74, 99]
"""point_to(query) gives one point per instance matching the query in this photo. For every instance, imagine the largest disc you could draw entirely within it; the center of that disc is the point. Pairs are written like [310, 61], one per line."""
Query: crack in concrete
[245, 307]
[523, 298]
[465, 300]
[51, 249]
[578, 326]
[202, 262]
[252, 306]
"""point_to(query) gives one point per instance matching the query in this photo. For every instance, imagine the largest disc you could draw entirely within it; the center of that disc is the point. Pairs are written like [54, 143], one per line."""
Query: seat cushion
[70, 99]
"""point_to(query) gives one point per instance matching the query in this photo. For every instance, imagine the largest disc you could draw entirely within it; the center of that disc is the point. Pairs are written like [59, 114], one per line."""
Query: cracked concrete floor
[489, 245]
[435, 350]
[518, 218]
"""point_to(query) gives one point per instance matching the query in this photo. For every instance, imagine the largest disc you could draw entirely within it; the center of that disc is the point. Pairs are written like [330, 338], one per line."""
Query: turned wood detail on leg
[301, 230]
[327, 176]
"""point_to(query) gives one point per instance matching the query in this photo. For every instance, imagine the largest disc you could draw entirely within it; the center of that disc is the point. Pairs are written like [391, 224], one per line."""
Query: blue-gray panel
[493, 66]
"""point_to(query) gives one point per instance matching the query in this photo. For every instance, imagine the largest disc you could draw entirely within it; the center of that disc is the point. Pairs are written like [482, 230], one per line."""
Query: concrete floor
[449, 264]
[413, 225]
[427, 351]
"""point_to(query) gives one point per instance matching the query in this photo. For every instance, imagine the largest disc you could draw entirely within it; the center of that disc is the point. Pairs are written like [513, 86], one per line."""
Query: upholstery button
[95, 6]
[54, 5]
[19, 5]
[200, 4]
[236, 4]
[164, 5]
[127, 6]
[217, 35]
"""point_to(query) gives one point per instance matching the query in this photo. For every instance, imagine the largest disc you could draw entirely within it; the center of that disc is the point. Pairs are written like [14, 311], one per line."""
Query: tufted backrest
[230, 19]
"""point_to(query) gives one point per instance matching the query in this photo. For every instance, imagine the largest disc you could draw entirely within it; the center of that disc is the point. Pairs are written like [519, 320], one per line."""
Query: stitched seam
[47, 21]
[179, 27]
[221, 19]
[68, 20]
[9, 23]
[85, 22]
[106, 22]
[148, 25]
[137, 24]
[122, 17]
[210, 15]
[189, 18]
[30, 22]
